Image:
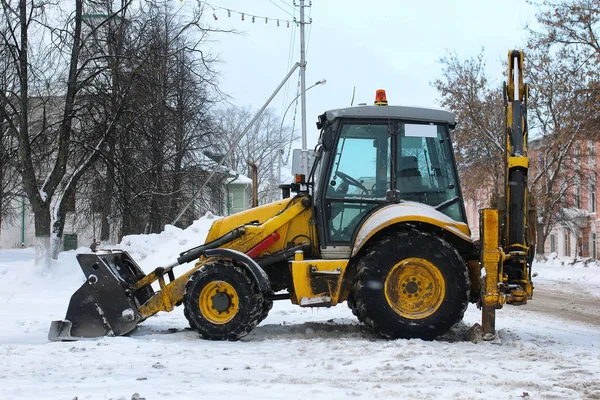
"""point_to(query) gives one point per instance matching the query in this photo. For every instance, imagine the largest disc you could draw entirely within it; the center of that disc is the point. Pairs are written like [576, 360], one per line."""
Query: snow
[241, 179]
[564, 271]
[295, 353]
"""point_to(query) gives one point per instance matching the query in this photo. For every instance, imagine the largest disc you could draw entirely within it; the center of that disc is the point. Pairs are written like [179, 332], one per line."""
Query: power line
[291, 48]
[285, 11]
[287, 5]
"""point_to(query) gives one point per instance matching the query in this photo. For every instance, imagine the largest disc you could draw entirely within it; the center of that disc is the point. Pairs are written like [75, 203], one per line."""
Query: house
[238, 194]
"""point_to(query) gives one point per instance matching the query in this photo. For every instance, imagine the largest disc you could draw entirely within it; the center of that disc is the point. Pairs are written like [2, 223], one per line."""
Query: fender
[407, 212]
[259, 275]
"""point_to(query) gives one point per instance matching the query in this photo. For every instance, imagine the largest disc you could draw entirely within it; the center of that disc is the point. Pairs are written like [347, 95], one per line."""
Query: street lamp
[321, 82]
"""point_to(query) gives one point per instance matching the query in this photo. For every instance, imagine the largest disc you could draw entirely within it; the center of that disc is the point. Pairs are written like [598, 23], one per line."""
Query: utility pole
[304, 156]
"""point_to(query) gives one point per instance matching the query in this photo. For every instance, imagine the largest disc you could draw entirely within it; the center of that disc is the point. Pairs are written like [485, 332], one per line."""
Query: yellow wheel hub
[414, 288]
[218, 302]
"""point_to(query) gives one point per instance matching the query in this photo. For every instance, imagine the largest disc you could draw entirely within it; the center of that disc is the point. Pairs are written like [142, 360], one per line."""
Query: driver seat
[409, 179]
[409, 170]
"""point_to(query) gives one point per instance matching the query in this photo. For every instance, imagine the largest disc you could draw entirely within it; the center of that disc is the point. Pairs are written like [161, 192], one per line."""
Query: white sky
[394, 45]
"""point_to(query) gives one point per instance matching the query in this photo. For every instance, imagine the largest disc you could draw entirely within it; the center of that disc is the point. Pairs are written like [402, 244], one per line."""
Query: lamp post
[321, 82]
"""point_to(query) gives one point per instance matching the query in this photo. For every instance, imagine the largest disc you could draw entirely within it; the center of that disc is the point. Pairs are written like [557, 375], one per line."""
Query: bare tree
[559, 113]
[132, 93]
[262, 146]
[573, 24]
[158, 159]
[480, 133]
[53, 152]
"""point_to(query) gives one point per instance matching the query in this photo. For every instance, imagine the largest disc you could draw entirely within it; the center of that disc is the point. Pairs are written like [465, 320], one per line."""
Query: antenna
[353, 92]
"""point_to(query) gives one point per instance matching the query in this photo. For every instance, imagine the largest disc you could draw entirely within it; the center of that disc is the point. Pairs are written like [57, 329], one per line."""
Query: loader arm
[507, 235]
[171, 294]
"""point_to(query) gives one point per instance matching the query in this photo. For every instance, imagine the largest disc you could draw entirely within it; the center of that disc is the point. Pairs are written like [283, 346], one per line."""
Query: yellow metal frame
[498, 289]
[317, 282]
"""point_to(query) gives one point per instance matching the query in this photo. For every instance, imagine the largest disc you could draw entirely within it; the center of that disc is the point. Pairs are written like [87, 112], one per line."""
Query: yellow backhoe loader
[379, 223]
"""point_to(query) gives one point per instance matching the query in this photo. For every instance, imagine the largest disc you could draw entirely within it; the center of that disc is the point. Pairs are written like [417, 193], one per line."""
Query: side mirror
[328, 139]
[321, 120]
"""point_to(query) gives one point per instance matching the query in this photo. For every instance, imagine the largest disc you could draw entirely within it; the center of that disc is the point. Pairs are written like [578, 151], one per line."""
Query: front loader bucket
[104, 305]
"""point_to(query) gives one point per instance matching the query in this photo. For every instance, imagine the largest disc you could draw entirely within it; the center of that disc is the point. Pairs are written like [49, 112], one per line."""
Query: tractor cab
[372, 156]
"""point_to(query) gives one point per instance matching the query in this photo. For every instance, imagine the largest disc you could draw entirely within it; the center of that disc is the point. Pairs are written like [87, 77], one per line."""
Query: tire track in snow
[566, 306]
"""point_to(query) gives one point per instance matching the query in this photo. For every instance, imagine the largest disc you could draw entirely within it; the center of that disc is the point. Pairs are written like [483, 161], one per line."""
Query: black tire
[267, 306]
[222, 301]
[394, 272]
[352, 304]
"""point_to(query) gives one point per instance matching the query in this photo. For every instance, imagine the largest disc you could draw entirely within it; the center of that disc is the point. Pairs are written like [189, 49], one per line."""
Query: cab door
[358, 179]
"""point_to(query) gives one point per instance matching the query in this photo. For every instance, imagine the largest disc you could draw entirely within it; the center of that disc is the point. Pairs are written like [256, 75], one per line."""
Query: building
[576, 232]
[573, 196]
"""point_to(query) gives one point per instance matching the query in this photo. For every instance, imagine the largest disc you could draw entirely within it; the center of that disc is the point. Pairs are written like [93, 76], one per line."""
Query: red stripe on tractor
[262, 246]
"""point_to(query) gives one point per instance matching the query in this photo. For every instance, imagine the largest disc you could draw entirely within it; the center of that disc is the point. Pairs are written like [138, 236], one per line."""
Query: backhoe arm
[507, 235]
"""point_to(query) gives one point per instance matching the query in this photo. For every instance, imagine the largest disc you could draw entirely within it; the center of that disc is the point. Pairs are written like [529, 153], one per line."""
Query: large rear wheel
[222, 302]
[411, 285]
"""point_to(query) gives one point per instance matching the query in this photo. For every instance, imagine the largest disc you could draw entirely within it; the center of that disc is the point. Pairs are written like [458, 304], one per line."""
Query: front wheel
[411, 285]
[222, 302]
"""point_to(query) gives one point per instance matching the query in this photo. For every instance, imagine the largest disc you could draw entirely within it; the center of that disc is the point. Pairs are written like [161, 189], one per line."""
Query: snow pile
[584, 272]
[577, 262]
[160, 249]
[18, 269]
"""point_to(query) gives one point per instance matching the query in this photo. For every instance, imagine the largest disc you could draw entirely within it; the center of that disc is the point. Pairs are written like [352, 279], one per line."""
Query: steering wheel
[351, 181]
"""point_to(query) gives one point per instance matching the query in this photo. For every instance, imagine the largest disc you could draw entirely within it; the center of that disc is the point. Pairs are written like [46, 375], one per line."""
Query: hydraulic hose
[196, 252]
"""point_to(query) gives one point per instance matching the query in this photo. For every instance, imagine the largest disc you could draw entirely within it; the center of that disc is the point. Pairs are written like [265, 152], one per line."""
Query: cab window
[425, 172]
[359, 177]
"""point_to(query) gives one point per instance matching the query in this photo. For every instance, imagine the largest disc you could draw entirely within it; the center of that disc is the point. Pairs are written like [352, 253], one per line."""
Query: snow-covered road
[549, 348]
